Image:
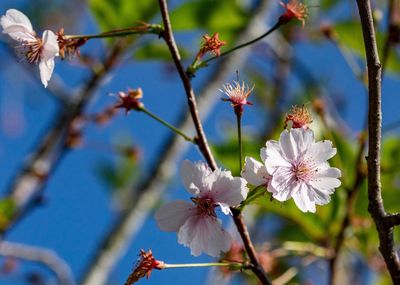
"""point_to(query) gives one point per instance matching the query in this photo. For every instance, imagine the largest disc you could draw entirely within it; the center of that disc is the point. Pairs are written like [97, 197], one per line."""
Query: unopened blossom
[130, 100]
[299, 117]
[294, 10]
[145, 264]
[238, 94]
[299, 169]
[36, 50]
[210, 44]
[196, 223]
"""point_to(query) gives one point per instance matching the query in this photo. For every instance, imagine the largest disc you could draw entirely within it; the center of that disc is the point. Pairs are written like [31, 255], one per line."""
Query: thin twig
[40, 255]
[170, 41]
[392, 220]
[375, 202]
[28, 185]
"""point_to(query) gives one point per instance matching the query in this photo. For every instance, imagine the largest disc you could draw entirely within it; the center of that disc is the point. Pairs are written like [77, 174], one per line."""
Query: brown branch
[170, 41]
[392, 220]
[28, 185]
[40, 255]
[375, 202]
[248, 244]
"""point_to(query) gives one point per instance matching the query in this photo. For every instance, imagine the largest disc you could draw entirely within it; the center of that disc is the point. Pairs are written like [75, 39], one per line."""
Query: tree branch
[170, 41]
[392, 220]
[202, 141]
[40, 255]
[375, 202]
[29, 183]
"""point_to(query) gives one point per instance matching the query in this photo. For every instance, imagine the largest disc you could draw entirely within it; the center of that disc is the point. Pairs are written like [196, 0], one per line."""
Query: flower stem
[275, 27]
[150, 29]
[239, 129]
[211, 264]
[171, 127]
[253, 195]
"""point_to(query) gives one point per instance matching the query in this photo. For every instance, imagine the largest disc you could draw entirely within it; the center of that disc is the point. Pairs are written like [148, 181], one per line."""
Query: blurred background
[91, 181]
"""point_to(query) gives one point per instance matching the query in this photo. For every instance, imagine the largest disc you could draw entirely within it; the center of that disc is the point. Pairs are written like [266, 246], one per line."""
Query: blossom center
[205, 206]
[302, 171]
[32, 50]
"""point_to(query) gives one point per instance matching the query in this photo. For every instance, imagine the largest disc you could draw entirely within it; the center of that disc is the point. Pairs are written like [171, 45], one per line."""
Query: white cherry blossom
[196, 223]
[299, 169]
[36, 50]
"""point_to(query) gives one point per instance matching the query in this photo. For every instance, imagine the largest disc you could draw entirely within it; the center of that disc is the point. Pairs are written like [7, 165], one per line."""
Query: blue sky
[78, 208]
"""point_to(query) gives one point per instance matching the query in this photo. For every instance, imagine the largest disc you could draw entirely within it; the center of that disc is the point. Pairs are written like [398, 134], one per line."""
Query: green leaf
[217, 16]
[7, 211]
[119, 176]
[156, 51]
[116, 14]
[350, 35]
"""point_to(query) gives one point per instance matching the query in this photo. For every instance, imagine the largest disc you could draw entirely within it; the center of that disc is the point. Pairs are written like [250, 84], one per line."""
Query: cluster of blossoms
[295, 167]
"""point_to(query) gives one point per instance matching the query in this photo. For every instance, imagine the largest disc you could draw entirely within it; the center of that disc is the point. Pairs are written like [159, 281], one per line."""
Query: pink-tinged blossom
[238, 94]
[293, 10]
[196, 223]
[299, 117]
[36, 50]
[299, 169]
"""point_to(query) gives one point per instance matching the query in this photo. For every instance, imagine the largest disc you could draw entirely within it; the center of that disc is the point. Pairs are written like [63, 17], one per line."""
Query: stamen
[205, 206]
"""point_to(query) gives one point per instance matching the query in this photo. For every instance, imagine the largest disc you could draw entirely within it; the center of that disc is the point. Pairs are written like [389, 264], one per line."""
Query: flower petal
[281, 187]
[273, 157]
[194, 176]
[46, 70]
[284, 183]
[321, 197]
[255, 172]
[326, 179]
[17, 25]
[304, 199]
[227, 189]
[50, 50]
[321, 151]
[288, 145]
[50, 45]
[204, 234]
[170, 217]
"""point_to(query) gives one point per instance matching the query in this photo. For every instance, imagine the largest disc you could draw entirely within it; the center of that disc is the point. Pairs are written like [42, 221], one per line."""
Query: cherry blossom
[197, 224]
[211, 44]
[299, 117]
[299, 169]
[130, 100]
[145, 264]
[238, 94]
[294, 10]
[36, 50]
